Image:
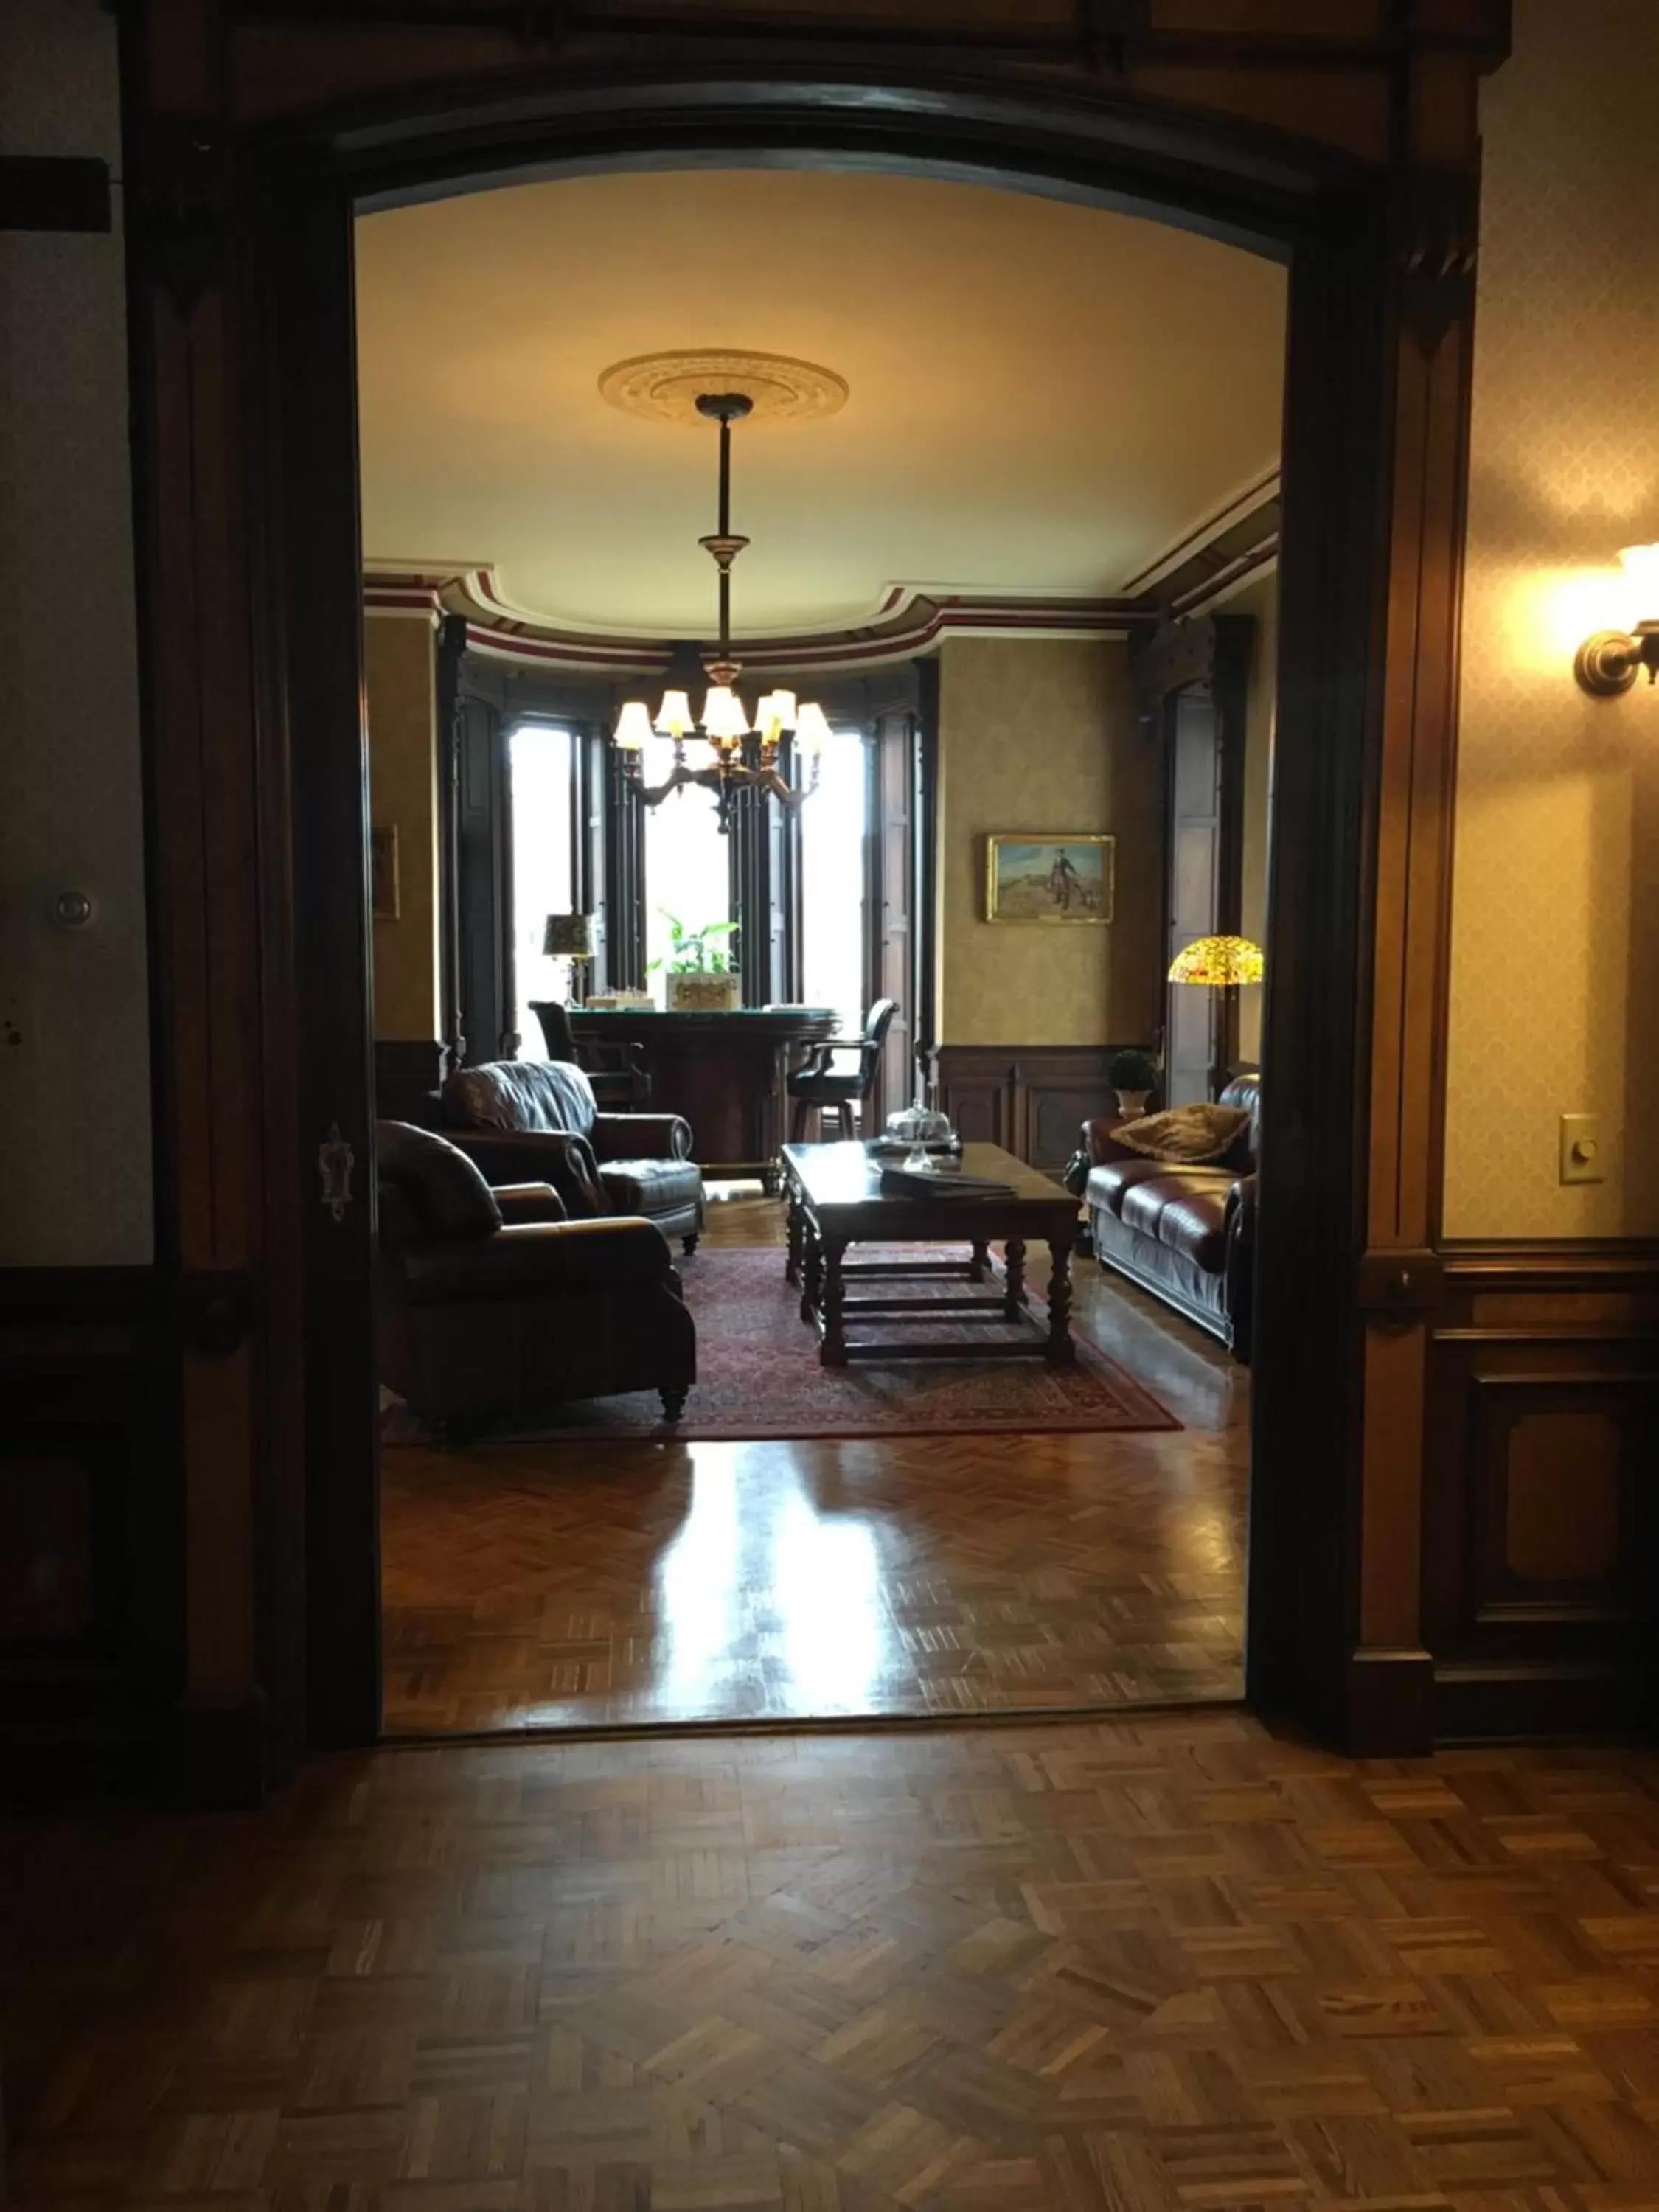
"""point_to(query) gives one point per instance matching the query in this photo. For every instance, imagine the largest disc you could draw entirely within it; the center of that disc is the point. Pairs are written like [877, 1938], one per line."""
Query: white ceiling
[1043, 397]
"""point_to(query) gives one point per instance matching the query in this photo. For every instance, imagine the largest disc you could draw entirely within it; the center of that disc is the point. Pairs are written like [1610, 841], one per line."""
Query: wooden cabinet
[1029, 1099]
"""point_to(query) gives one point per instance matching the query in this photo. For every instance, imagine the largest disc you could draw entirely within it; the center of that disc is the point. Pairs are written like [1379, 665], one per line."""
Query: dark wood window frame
[1211, 652]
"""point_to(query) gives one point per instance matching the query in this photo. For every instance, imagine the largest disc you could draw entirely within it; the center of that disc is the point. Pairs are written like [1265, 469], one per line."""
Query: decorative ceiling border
[1206, 564]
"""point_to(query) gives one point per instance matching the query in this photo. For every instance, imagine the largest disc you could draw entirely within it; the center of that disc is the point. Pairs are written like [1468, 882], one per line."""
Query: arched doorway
[1373, 463]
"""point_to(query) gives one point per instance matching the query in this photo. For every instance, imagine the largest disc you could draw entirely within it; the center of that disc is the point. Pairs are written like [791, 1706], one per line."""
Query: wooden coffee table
[836, 1199]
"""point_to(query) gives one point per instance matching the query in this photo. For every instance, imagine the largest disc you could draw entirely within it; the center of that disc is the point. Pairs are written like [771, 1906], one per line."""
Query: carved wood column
[1432, 237]
[1380, 338]
[219, 985]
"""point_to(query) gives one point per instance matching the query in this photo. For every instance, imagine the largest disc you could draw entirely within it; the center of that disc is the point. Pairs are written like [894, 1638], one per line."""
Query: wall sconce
[1608, 663]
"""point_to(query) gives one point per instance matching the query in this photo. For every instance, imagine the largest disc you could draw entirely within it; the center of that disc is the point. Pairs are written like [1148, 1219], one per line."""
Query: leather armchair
[495, 1304]
[527, 1118]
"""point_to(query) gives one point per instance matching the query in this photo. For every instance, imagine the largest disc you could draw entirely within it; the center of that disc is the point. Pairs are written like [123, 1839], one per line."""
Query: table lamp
[570, 937]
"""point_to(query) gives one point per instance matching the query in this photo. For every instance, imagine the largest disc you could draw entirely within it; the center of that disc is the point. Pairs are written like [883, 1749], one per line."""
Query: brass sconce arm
[1610, 662]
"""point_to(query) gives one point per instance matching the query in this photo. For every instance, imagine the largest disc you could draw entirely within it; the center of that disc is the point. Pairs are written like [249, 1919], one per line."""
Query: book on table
[941, 1182]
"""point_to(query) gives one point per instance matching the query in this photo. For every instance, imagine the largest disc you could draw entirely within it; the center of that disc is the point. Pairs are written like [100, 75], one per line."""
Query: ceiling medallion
[665, 387]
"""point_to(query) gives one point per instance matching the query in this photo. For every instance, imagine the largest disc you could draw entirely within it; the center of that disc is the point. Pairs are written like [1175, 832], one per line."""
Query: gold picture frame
[383, 888]
[1065, 877]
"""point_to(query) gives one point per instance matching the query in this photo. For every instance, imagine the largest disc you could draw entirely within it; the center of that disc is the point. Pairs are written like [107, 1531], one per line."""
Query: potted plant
[698, 977]
[1132, 1074]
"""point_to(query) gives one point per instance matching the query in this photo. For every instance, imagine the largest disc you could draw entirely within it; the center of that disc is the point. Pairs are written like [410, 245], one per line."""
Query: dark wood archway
[253, 134]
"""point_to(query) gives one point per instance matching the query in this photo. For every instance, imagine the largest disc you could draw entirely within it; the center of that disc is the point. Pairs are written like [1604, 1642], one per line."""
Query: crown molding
[1209, 563]
[908, 623]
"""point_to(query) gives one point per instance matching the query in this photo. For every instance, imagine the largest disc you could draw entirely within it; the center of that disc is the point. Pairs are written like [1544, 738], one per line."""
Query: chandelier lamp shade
[1221, 961]
[721, 749]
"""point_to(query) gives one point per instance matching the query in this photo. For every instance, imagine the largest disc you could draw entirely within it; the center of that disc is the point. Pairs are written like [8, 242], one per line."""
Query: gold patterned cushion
[1185, 1136]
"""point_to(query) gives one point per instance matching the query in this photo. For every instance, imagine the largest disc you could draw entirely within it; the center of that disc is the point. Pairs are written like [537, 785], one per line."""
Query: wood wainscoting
[1031, 1099]
[1539, 1562]
[91, 1578]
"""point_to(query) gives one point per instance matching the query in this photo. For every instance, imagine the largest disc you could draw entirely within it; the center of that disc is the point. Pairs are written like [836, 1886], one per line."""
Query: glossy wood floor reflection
[1166, 1966]
[550, 1585]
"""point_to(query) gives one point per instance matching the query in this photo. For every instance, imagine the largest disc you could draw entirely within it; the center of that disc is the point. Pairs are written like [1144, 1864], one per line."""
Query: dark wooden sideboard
[1029, 1099]
[724, 1072]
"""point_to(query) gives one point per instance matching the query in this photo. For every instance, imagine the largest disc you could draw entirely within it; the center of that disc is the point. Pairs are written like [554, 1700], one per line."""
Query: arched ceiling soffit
[1041, 402]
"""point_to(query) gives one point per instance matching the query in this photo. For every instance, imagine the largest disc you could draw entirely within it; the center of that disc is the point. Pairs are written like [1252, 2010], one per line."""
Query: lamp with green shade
[570, 937]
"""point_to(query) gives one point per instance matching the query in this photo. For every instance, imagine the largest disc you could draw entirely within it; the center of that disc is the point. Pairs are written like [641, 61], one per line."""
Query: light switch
[1583, 1153]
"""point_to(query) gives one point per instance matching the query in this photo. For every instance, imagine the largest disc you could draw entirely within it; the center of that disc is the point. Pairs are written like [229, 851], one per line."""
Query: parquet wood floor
[555, 1584]
[1164, 1964]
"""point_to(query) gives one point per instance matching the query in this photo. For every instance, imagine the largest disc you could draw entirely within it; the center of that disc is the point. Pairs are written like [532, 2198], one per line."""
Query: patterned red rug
[758, 1374]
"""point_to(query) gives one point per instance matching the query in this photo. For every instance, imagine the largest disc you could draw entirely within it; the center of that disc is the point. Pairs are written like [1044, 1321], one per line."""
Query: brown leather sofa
[502, 1114]
[493, 1303]
[1186, 1234]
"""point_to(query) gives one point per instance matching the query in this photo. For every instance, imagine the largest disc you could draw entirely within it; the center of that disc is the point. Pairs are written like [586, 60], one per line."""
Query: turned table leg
[1060, 1350]
[980, 1264]
[832, 1352]
[796, 1238]
[1013, 1295]
[811, 1280]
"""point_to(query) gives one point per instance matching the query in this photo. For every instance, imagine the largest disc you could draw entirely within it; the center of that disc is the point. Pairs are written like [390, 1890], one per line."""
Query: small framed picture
[383, 873]
[1034, 877]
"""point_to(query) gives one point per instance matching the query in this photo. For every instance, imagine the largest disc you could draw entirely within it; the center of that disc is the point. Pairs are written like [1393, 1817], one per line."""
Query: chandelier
[721, 749]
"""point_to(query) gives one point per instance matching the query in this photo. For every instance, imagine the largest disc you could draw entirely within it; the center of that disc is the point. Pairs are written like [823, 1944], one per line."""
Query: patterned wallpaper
[1041, 734]
[75, 1135]
[1556, 877]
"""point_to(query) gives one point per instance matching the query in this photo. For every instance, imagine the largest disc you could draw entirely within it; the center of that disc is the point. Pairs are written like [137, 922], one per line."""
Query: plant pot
[1131, 1105]
[698, 992]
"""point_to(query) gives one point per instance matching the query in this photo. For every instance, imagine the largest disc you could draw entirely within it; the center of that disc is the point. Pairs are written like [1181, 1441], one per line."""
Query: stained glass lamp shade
[1218, 960]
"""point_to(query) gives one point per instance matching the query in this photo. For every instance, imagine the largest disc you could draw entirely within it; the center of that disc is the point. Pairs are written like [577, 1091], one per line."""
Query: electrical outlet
[1583, 1153]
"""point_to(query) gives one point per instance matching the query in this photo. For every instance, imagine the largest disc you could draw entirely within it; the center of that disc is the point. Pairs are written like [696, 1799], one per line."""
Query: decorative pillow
[442, 1187]
[1186, 1136]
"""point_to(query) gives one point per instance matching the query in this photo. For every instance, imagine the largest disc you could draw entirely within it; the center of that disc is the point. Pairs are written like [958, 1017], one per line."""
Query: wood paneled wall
[1029, 1099]
[91, 1630]
[1543, 1440]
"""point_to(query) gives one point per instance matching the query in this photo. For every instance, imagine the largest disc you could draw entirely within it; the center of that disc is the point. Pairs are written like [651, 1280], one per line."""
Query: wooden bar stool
[818, 1085]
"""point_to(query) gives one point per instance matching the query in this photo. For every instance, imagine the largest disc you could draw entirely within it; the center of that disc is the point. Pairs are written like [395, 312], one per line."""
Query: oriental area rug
[758, 1375]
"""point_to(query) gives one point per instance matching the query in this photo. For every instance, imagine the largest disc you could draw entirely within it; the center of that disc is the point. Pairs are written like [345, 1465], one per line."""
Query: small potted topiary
[1132, 1074]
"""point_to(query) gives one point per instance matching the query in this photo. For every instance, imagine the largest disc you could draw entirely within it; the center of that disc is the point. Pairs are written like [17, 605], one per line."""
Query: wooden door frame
[1374, 462]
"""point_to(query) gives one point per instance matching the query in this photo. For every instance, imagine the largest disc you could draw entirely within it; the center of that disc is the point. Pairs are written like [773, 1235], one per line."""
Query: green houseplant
[1133, 1074]
[697, 968]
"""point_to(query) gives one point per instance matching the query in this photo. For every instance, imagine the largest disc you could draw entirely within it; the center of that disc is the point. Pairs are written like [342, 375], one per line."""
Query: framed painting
[1036, 877]
[383, 873]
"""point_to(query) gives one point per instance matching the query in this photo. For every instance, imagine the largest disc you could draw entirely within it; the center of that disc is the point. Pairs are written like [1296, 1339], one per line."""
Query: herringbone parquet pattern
[1166, 1966]
[558, 1584]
